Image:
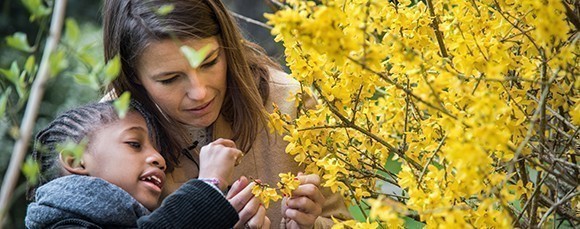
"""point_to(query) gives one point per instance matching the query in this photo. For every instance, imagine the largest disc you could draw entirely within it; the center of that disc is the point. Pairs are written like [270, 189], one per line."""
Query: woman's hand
[250, 210]
[217, 160]
[305, 205]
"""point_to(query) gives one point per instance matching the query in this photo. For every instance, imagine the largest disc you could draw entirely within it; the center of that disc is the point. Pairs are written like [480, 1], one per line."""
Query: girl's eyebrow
[210, 54]
[135, 128]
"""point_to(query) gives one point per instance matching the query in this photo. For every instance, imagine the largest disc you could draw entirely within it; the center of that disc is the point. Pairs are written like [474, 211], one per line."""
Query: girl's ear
[136, 80]
[73, 165]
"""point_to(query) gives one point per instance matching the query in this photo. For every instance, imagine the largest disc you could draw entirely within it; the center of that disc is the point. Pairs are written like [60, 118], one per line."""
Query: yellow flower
[288, 183]
[265, 194]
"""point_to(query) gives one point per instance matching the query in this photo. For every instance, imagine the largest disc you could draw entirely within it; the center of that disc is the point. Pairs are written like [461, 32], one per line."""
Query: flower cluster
[477, 101]
[288, 183]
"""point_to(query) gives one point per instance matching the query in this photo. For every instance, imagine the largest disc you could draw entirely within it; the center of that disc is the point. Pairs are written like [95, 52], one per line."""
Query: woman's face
[193, 96]
[122, 154]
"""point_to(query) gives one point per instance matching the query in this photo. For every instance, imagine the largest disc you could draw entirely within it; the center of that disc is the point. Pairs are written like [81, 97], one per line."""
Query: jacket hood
[83, 197]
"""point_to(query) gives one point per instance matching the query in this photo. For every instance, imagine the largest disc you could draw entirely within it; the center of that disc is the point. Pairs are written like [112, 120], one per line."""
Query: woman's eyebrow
[210, 54]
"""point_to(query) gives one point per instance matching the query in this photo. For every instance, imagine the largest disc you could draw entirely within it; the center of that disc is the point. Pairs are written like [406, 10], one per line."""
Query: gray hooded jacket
[92, 202]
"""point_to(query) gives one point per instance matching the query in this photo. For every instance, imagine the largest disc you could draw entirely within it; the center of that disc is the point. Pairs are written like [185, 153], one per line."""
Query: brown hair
[129, 26]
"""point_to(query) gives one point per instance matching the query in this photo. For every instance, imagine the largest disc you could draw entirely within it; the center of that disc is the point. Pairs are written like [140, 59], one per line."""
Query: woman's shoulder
[279, 78]
[283, 90]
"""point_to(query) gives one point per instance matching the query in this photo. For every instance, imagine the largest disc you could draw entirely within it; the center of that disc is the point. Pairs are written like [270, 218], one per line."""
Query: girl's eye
[135, 145]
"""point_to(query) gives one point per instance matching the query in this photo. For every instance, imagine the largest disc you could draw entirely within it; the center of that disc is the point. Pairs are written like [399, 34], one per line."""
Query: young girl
[118, 179]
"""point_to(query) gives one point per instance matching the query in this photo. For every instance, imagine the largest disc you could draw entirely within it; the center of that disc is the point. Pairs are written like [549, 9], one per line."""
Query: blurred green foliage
[24, 26]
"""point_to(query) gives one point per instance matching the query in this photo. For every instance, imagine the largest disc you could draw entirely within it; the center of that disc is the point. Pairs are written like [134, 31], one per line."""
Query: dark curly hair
[74, 126]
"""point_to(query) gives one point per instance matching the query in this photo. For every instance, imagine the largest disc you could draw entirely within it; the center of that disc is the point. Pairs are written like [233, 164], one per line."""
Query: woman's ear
[73, 164]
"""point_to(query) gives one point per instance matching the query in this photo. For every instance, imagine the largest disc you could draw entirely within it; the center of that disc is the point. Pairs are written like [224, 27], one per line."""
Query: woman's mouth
[201, 109]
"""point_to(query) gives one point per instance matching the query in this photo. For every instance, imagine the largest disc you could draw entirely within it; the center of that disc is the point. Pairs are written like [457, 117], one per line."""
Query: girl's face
[121, 153]
[193, 96]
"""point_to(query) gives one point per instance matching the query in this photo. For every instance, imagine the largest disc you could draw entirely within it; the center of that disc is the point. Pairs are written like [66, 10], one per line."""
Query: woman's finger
[299, 217]
[225, 142]
[309, 179]
[311, 191]
[304, 204]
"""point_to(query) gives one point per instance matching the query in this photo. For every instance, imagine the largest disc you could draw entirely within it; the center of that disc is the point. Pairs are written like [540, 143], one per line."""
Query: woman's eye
[135, 145]
[168, 80]
[209, 64]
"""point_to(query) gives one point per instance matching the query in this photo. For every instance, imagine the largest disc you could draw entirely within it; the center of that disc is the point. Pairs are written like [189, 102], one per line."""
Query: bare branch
[36, 94]
[251, 21]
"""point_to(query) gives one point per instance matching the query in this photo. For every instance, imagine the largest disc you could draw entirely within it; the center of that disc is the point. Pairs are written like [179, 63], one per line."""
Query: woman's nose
[196, 89]
[157, 160]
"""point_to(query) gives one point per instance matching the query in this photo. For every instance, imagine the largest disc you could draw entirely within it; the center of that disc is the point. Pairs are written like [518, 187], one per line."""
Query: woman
[227, 95]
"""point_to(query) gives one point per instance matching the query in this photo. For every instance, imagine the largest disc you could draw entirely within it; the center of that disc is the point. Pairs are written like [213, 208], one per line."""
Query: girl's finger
[242, 198]
[257, 221]
[237, 187]
[247, 212]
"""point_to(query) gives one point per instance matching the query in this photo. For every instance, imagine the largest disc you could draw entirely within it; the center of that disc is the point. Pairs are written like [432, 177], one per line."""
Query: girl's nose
[196, 90]
[156, 160]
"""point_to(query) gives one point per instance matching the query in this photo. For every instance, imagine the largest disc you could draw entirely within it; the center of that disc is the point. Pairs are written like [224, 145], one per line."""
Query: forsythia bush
[478, 99]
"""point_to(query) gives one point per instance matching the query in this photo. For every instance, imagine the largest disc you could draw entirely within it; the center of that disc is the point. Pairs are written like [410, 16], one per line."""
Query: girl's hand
[217, 160]
[250, 210]
[305, 205]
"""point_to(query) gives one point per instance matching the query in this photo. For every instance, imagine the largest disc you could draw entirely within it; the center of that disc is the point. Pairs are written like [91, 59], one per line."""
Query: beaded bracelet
[214, 181]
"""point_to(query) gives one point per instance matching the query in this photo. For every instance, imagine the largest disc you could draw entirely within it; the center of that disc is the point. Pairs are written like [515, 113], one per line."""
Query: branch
[277, 3]
[438, 33]
[556, 205]
[251, 21]
[36, 94]
[351, 125]
[431, 159]
[401, 87]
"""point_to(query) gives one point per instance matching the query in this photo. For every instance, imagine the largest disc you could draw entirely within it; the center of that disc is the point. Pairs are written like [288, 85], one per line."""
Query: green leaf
[112, 69]
[89, 80]
[87, 58]
[31, 170]
[4, 101]
[12, 73]
[57, 62]
[29, 66]
[72, 30]
[70, 148]
[122, 104]
[82, 79]
[195, 57]
[165, 9]
[22, 86]
[36, 8]
[19, 41]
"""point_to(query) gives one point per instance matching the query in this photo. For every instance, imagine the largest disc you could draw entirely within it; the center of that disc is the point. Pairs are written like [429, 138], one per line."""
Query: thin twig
[431, 159]
[568, 197]
[251, 21]
[351, 125]
[277, 3]
[401, 87]
[36, 94]
[535, 193]
[438, 33]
